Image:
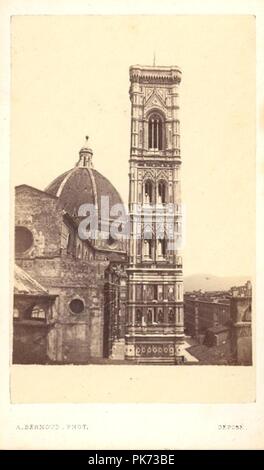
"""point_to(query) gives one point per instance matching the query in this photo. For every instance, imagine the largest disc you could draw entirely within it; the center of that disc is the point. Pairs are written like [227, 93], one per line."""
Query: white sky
[70, 78]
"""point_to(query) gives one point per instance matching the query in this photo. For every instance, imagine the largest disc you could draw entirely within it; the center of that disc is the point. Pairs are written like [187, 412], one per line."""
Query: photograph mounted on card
[133, 168]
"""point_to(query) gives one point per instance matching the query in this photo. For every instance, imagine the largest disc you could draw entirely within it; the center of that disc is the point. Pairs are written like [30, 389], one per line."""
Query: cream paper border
[132, 425]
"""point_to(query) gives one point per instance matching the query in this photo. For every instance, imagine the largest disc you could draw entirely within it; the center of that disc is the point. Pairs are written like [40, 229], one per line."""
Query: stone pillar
[96, 332]
[241, 332]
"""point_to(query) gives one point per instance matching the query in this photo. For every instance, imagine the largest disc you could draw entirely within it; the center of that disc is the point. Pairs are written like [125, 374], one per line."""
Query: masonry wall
[75, 337]
[241, 330]
[30, 343]
[42, 215]
[201, 315]
[71, 337]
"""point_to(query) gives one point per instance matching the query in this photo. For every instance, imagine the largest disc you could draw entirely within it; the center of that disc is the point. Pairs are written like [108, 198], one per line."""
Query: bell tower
[154, 326]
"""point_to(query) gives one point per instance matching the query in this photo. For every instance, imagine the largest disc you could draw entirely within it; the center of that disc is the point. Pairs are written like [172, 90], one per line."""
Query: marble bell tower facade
[154, 324]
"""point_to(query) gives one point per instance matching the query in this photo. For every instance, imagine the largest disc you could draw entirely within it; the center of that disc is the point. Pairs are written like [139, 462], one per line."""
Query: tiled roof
[81, 186]
[25, 284]
[220, 355]
[218, 329]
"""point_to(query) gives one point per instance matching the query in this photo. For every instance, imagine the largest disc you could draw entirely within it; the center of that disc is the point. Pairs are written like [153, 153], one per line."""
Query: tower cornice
[155, 74]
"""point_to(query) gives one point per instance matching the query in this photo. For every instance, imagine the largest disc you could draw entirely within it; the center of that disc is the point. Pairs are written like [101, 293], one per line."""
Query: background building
[219, 324]
[202, 312]
[241, 323]
[65, 274]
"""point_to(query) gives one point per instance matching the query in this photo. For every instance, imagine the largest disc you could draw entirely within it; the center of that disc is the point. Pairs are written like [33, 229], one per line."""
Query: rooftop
[25, 284]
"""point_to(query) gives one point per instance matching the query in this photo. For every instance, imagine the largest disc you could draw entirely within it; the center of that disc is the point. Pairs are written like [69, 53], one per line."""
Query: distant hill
[208, 282]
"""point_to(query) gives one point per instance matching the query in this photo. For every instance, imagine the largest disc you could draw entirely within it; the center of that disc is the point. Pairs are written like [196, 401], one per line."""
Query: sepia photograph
[133, 163]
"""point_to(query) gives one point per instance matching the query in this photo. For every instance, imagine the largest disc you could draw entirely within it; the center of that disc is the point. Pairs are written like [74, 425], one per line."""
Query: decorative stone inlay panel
[155, 350]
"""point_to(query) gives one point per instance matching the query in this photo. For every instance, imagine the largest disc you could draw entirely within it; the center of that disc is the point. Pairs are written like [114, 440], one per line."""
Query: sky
[70, 78]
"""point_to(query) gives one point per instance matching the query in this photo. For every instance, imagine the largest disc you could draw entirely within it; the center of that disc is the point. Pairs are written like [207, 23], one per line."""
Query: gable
[30, 190]
[155, 101]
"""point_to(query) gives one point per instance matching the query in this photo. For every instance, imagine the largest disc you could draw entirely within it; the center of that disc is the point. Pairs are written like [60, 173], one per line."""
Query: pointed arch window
[138, 315]
[171, 315]
[161, 248]
[160, 315]
[151, 316]
[147, 249]
[148, 192]
[171, 292]
[162, 192]
[155, 132]
[38, 313]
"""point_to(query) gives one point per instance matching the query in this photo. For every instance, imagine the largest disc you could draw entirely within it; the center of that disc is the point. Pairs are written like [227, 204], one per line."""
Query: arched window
[155, 132]
[161, 248]
[162, 190]
[147, 249]
[138, 316]
[148, 192]
[160, 315]
[150, 315]
[170, 292]
[171, 315]
[23, 239]
[38, 313]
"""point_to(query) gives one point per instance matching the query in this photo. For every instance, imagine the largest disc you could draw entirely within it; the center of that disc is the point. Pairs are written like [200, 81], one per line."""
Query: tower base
[154, 349]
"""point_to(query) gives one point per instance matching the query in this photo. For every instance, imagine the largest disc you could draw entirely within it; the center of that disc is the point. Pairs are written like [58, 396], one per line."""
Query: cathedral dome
[83, 184]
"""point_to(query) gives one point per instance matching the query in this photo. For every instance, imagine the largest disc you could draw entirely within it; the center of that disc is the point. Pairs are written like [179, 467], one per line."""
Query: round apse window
[77, 306]
[23, 239]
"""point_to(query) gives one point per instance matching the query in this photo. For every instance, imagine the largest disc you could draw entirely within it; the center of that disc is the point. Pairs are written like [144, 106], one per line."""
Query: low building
[221, 328]
[242, 291]
[203, 314]
[217, 335]
[34, 313]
